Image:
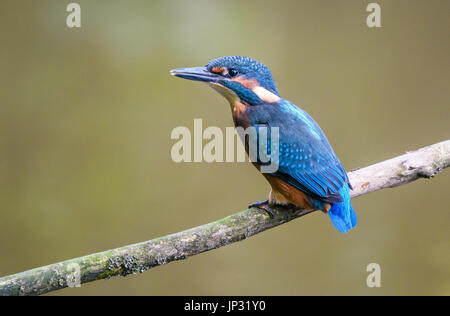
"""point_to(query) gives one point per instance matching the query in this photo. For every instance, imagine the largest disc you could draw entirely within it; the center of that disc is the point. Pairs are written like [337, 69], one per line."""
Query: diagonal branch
[422, 163]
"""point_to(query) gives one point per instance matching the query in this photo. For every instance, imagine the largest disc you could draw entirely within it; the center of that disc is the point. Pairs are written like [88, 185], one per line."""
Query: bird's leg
[264, 205]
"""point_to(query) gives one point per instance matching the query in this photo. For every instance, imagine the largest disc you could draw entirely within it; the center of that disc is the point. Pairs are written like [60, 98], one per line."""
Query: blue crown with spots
[248, 68]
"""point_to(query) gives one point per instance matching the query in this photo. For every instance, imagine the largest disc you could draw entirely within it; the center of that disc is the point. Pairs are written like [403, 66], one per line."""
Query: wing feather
[306, 159]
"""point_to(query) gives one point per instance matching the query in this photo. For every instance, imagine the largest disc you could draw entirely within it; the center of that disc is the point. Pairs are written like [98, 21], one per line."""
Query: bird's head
[239, 79]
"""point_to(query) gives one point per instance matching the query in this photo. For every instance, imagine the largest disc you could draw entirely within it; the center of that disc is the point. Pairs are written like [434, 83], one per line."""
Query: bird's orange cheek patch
[218, 70]
[261, 92]
[248, 83]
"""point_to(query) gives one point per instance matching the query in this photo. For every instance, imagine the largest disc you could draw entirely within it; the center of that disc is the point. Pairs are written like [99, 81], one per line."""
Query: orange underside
[283, 193]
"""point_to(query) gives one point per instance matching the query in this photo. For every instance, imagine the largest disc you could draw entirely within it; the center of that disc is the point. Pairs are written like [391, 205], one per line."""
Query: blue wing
[306, 159]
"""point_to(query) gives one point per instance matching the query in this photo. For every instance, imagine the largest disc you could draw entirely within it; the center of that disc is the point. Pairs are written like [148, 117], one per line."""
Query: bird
[309, 174]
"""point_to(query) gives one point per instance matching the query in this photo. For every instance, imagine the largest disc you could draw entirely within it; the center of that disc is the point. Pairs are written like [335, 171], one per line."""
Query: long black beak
[196, 73]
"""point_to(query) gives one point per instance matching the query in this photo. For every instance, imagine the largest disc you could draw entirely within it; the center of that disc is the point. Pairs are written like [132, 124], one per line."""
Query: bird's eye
[232, 72]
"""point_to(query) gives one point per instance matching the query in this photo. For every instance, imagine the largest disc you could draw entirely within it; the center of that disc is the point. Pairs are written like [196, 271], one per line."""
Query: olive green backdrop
[86, 116]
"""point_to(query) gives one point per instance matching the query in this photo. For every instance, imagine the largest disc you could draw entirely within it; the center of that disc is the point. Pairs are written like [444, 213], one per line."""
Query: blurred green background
[86, 116]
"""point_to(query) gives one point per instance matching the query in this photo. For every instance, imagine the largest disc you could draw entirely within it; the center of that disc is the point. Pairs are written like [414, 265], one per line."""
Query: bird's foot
[326, 208]
[264, 205]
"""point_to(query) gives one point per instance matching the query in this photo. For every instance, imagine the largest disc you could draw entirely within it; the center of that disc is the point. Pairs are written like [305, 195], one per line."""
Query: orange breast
[283, 193]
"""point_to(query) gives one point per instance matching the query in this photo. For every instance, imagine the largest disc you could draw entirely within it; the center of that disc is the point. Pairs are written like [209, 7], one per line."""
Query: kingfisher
[309, 174]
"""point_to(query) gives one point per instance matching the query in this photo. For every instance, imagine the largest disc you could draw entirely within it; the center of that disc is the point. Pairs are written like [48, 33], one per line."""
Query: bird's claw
[264, 205]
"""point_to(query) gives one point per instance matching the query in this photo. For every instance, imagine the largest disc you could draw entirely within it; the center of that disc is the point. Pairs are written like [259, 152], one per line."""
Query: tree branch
[422, 163]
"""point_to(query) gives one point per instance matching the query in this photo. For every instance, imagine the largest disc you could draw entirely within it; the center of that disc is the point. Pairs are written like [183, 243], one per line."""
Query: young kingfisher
[309, 175]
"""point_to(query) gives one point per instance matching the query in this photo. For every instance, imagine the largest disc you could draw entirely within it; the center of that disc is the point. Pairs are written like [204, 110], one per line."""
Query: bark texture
[131, 259]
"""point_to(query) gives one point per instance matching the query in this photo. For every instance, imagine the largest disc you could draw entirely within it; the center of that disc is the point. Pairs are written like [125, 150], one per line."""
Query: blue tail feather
[342, 214]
